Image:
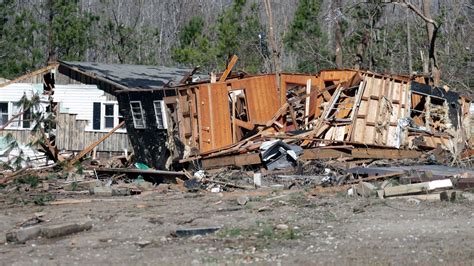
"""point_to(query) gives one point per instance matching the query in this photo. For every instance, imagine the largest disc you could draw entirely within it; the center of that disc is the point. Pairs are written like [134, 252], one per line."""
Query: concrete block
[23, 234]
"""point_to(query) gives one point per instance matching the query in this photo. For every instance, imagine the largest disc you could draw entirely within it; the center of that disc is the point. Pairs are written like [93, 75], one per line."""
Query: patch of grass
[42, 199]
[52, 176]
[31, 180]
[74, 186]
[290, 234]
[267, 232]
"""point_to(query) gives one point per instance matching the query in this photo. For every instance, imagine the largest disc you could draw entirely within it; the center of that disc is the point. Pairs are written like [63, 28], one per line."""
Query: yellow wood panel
[221, 131]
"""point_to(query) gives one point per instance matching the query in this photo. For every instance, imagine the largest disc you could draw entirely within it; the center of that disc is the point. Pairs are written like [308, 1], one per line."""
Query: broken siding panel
[261, 96]
[221, 132]
[72, 137]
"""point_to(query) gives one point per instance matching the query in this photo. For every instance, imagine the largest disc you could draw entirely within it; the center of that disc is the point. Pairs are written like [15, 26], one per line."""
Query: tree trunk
[431, 30]
[275, 50]
[338, 34]
[409, 56]
[51, 48]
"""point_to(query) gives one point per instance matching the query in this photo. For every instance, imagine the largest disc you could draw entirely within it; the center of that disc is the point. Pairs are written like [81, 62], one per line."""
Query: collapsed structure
[341, 109]
[173, 118]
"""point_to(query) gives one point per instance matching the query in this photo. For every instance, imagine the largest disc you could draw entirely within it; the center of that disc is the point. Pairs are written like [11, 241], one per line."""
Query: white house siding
[75, 109]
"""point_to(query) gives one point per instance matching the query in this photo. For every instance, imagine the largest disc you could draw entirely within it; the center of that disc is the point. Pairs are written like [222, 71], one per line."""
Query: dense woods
[417, 36]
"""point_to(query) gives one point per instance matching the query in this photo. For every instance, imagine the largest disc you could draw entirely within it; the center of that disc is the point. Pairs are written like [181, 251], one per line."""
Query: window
[109, 115]
[137, 114]
[429, 112]
[22, 121]
[159, 114]
[3, 113]
[106, 116]
[343, 106]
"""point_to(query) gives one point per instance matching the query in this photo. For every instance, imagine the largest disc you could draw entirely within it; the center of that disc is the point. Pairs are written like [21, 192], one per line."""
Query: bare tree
[432, 28]
[338, 33]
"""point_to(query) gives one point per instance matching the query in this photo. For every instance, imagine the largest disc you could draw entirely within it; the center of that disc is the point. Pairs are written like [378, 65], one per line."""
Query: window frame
[141, 113]
[162, 113]
[7, 113]
[105, 116]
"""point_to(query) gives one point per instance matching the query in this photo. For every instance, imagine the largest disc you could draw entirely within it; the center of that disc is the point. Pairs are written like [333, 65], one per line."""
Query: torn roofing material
[130, 76]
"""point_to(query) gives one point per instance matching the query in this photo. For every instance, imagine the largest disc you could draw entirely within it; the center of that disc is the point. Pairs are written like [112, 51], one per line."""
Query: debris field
[343, 166]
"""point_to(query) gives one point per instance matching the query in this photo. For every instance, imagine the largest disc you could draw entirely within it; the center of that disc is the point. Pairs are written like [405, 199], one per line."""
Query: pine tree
[306, 40]
[19, 49]
[71, 30]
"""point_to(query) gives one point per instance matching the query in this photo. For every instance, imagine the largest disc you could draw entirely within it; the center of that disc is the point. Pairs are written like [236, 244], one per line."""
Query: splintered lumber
[29, 75]
[372, 178]
[229, 68]
[237, 160]
[417, 188]
[318, 153]
[95, 144]
[65, 229]
[371, 153]
[227, 184]
[183, 232]
[139, 171]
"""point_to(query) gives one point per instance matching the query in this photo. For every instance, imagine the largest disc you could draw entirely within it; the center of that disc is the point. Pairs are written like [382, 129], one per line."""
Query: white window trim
[164, 117]
[102, 118]
[11, 126]
[102, 115]
[142, 115]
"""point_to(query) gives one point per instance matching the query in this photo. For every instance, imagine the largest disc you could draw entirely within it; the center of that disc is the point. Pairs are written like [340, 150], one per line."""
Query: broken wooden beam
[229, 68]
[235, 160]
[95, 144]
[373, 153]
[139, 171]
[417, 188]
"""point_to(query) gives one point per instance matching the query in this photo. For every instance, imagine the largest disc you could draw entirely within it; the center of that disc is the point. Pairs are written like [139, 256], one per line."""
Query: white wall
[73, 99]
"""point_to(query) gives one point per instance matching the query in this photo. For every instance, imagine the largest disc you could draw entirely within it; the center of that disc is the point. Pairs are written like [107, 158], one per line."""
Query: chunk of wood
[65, 229]
[196, 231]
[417, 188]
[229, 68]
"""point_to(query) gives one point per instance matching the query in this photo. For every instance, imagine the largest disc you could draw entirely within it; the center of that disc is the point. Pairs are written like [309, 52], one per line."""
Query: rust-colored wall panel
[221, 131]
[262, 97]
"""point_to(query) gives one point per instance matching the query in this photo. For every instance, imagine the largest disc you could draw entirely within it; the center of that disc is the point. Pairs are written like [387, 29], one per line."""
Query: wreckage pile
[353, 131]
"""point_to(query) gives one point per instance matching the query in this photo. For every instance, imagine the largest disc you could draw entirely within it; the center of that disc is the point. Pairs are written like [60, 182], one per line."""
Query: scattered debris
[184, 232]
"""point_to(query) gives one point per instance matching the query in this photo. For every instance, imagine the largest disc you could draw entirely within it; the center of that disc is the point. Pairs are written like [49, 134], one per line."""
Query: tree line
[389, 36]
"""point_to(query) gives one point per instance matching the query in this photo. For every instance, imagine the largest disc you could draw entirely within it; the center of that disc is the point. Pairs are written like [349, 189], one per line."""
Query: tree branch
[415, 9]
[12, 119]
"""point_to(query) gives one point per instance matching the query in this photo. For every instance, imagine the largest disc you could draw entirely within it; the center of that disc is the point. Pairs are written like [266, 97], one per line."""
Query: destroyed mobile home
[333, 114]
[329, 130]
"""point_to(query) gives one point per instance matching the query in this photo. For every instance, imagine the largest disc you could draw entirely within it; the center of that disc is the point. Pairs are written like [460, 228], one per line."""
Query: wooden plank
[236, 160]
[139, 171]
[229, 68]
[244, 124]
[318, 153]
[373, 153]
[29, 75]
[417, 188]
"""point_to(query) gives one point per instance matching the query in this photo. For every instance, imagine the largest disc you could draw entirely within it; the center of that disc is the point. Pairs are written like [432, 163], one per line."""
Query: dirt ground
[273, 228]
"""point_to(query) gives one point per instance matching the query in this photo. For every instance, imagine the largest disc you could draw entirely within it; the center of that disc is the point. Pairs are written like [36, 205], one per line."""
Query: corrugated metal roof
[132, 76]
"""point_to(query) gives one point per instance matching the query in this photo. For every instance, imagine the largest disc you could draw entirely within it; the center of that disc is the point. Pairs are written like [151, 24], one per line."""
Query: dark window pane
[3, 119]
[120, 120]
[109, 109]
[109, 122]
[27, 119]
[3, 107]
